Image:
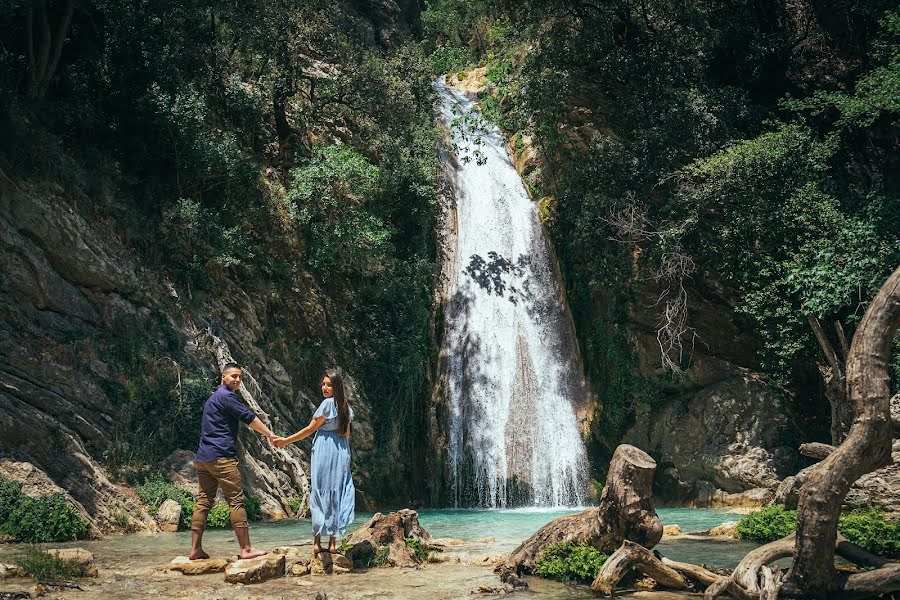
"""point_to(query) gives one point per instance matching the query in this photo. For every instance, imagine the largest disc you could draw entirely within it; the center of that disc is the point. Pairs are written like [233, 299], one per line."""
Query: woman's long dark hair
[340, 400]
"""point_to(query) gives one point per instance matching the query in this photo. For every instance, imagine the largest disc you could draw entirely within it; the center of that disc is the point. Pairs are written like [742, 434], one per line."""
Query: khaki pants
[220, 472]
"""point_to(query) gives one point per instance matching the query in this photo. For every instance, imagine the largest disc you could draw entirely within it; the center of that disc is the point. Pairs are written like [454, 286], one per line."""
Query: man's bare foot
[197, 555]
[252, 553]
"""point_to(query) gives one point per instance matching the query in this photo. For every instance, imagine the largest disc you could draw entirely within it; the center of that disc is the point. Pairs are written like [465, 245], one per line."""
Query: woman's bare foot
[316, 549]
[332, 547]
[197, 555]
[251, 552]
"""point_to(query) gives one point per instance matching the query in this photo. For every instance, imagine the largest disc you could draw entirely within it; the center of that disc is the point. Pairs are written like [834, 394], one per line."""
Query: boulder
[296, 562]
[672, 530]
[880, 489]
[255, 570]
[184, 565]
[388, 530]
[728, 528]
[168, 516]
[10, 571]
[755, 497]
[326, 563]
[179, 468]
[734, 434]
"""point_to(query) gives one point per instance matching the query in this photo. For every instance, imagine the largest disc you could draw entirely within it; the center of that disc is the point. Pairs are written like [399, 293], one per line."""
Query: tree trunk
[816, 450]
[866, 448]
[625, 513]
[41, 61]
[632, 555]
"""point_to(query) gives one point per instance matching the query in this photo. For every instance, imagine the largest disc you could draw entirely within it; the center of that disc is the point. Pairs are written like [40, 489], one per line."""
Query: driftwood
[816, 450]
[632, 555]
[866, 448]
[625, 512]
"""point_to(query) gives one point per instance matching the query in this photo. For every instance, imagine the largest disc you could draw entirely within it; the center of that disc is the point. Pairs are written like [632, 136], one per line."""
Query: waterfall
[512, 378]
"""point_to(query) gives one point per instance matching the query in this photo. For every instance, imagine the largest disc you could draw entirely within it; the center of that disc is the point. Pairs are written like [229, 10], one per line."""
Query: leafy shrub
[870, 530]
[43, 566]
[566, 561]
[420, 549]
[768, 524]
[295, 502]
[219, 515]
[447, 59]
[251, 505]
[156, 491]
[41, 519]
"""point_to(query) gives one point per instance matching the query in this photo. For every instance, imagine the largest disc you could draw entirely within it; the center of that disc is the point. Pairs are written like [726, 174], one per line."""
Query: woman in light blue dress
[333, 498]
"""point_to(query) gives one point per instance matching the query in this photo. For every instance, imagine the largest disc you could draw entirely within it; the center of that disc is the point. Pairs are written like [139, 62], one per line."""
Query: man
[217, 464]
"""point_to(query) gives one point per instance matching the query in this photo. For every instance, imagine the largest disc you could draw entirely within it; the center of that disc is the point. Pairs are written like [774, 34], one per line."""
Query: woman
[333, 497]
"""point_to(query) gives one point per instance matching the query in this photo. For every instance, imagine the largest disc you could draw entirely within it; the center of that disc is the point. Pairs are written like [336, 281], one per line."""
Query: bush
[870, 530]
[219, 515]
[566, 561]
[156, 491]
[43, 566]
[768, 524]
[37, 520]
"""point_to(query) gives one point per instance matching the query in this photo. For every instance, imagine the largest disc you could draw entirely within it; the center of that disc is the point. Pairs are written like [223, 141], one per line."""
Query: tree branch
[825, 345]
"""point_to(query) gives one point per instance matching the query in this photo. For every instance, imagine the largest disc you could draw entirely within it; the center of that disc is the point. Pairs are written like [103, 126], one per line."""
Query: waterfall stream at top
[513, 380]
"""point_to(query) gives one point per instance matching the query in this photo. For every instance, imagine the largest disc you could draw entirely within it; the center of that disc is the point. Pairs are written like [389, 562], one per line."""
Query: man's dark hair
[231, 365]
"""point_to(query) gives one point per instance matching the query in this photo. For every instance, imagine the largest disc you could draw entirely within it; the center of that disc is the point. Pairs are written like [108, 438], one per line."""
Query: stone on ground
[255, 570]
[326, 564]
[672, 530]
[10, 571]
[389, 530]
[184, 565]
[168, 516]
[728, 528]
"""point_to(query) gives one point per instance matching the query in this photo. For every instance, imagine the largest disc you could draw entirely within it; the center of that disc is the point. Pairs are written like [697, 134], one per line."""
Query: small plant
[566, 561]
[380, 558]
[870, 530]
[157, 490]
[295, 502]
[420, 549]
[43, 566]
[219, 515]
[41, 519]
[768, 524]
[344, 546]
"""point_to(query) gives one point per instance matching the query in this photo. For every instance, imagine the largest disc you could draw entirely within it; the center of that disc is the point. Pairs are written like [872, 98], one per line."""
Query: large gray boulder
[733, 436]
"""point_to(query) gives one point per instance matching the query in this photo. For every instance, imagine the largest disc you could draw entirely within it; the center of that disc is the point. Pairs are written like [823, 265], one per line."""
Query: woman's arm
[305, 432]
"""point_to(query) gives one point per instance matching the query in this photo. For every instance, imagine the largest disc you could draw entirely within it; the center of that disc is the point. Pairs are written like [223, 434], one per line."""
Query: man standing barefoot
[217, 463]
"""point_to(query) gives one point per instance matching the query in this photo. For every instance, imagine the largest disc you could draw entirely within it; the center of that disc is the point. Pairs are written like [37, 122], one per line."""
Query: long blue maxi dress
[333, 498]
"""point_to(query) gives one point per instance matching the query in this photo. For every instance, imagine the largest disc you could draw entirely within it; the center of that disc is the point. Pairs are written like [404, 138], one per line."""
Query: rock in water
[672, 530]
[169, 516]
[184, 565]
[388, 530]
[255, 570]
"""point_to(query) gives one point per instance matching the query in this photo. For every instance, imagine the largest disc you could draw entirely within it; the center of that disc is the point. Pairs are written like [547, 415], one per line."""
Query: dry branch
[632, 555]
[816, 450]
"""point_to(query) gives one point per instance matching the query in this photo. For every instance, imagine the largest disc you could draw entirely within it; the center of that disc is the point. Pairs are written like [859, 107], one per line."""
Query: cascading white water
[512, 376]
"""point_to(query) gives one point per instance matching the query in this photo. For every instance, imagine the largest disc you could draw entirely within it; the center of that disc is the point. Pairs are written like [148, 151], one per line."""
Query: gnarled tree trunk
[625, 513]
[867, 446]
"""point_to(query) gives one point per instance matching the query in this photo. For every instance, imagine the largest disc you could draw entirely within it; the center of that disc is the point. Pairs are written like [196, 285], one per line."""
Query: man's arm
[259, 426]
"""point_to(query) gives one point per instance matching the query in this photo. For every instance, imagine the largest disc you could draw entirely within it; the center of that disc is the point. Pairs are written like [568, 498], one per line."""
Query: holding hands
[280, 442]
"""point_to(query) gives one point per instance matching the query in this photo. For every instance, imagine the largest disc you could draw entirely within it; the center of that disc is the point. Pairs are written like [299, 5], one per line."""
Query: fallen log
[625, 512]
[634, 556]
[816, 450]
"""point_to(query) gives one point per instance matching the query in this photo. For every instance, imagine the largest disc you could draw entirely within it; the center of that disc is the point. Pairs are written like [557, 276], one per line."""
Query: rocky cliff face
[68, 282]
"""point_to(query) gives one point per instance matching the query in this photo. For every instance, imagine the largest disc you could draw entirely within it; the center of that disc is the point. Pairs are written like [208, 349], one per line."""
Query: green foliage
[39, 519]
[770, 523]
[44, 566]
[566, 561]
[295, 502]
[870, 529]
[344, 547]
[157, 490]
[449, 59]
[219, 516]
[330, 197]
[420, 549]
